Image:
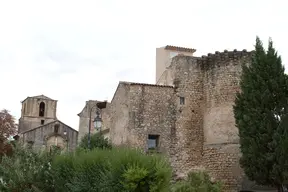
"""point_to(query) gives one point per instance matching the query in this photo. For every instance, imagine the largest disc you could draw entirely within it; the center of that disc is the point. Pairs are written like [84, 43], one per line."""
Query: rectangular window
[42, 122]
[153, 142]
[182, 100]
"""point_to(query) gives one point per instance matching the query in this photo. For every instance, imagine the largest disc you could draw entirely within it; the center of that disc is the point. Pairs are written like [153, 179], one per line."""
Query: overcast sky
[73, 51]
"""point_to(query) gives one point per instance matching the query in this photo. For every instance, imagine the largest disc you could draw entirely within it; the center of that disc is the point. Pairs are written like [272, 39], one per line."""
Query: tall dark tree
[280, 167]
[258, 110]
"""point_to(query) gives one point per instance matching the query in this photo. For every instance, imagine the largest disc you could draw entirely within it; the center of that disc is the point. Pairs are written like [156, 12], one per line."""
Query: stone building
[88, 114]
[39, 126]
[186, 115]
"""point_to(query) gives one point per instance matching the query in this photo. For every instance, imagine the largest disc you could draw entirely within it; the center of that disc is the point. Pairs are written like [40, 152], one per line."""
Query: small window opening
[182, 100]
[153, 142]
[42, 122]
[56, 128]
[24, 108]
[42, 109]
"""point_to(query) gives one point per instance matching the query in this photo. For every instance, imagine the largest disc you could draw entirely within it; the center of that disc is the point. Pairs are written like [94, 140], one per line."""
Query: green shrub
[111, 170]
[97, 140]
[197, 182]
[26, 170]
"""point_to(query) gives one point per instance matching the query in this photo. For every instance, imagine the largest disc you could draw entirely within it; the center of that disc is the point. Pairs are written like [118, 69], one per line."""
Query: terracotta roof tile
[182, 49]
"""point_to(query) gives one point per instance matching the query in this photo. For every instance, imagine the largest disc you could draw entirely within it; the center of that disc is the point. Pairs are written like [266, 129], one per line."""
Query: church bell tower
[37, 111]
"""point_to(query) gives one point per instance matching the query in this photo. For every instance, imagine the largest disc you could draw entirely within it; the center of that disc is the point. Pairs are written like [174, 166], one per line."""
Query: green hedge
[115, 170]
[111, 170]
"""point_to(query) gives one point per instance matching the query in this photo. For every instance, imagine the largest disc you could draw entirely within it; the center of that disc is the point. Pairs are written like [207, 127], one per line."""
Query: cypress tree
[258, 110]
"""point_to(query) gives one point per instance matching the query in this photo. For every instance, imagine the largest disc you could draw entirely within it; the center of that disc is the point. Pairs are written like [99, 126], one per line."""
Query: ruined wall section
[222, 72]
[188, 140]
[151, 111]
[221, 82]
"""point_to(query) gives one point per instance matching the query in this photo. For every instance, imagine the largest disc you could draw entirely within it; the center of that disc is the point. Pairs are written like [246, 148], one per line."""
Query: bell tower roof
[39, 97]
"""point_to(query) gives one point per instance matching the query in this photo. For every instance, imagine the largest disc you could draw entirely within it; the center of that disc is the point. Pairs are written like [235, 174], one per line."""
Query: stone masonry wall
[221, 154]
[222, 162]
[151, 111]
[84, 118]
[188, 140]
[206, 136]
[197, 134]
[222, 73]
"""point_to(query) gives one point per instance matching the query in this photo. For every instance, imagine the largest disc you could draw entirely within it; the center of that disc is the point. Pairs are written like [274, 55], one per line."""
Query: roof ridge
[181, 49]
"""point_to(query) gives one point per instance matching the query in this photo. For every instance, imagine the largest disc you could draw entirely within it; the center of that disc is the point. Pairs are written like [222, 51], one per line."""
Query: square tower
[37, 111]
[164, 57]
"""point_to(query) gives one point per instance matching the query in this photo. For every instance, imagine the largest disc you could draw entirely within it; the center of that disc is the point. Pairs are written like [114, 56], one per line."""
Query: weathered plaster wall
[84, 118]
[30, 107]
[40, 135]
[164, 57]
[119, 115]
[27, 123]
[105, 115]
[166, 78]
[30, 113]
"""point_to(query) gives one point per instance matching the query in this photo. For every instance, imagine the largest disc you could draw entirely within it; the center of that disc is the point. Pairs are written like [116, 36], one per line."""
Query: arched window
[42, 109]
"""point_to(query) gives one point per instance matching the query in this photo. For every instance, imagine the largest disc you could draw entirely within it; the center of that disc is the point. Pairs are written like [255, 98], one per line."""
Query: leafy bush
[26, 170]
[111, 170]
[197, 182]
[97, 140]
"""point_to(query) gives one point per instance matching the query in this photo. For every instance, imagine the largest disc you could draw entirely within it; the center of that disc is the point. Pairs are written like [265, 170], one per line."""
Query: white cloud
[73, 51]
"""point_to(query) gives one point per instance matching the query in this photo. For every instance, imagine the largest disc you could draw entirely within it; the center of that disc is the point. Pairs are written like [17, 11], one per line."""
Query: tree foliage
[26, 171]
[97, 140]
[6, 149]
[8, 127]
[258, 110]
